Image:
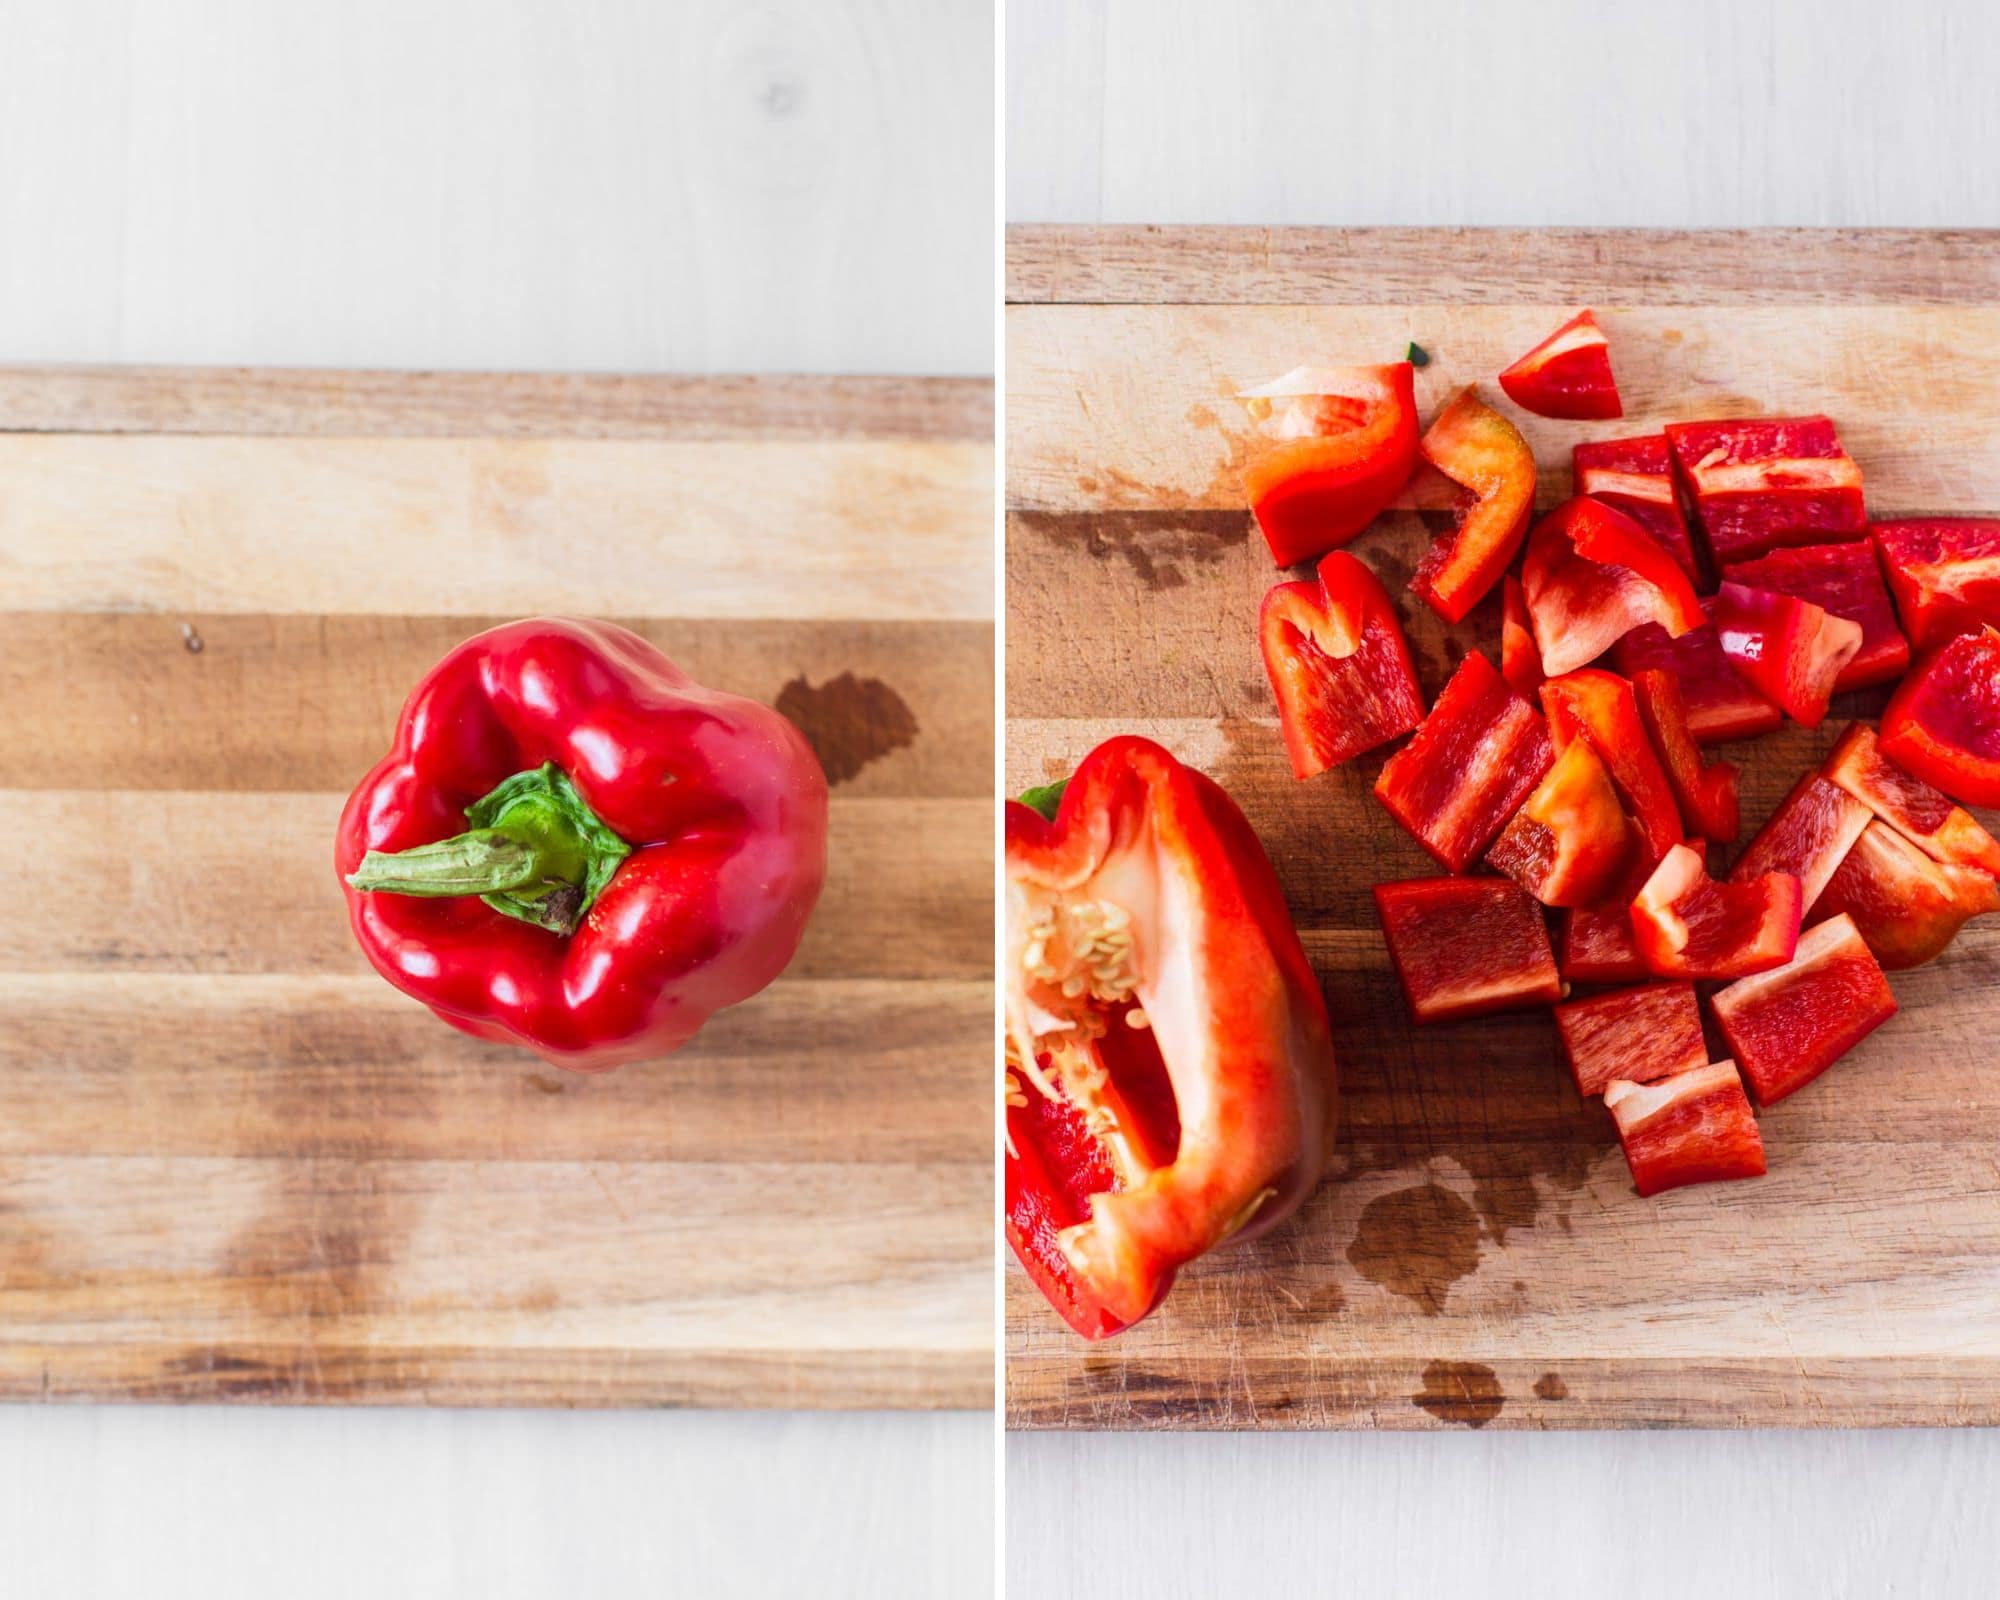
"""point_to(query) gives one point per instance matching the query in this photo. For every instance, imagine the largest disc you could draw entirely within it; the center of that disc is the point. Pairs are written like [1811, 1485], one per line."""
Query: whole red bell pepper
[1789, 1025]
[1721, 705]
[1943, 722]
[1636, 476]
[1520, 661]
[1639, 1034]
[1706, 795]
[1571, 843]
[1338, 663]
[1170, 1077]
[1467, 947]
[1335, 444]
[642, 851]
[1601, 704]
[1687, 925]
[1923, 815]
[1790, 651]
[1567, 375]
[1483, 453]
[1845, 581]
[1694, 1127]
[1944, 573]
[1808, 836]
[1760, 482]
[1591, 576]
[1907, 905]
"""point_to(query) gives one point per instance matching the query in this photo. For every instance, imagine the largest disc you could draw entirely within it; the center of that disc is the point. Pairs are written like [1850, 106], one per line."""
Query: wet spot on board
[1417, 1243]
[1161, 548]
[848, 721]
[1549, 1386]
[544, 1084]
[1465, 1392]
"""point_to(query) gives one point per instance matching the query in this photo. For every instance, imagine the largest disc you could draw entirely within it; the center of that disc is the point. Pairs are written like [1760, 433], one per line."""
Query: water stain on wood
[848, 721]
[1465, 1392]
[1160, 548]
[1550, 1386]
[1417, 1243]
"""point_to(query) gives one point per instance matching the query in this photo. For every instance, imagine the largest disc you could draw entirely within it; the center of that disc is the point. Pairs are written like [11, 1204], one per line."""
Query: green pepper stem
[484, 861]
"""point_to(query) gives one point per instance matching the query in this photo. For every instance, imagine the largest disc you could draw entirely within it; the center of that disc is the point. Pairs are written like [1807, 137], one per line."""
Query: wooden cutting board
[1477, 1255]
[234, 1164]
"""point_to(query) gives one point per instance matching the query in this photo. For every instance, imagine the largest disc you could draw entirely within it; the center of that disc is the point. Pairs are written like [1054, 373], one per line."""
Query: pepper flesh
[1155, 987]
[1567, 376]
[1844, 580]
[1706, 795]
[1922, 814]
[1520, 662]
[1789, 1025]
[1591, 576]
[1944, 573]
[1686, 925]
[719, 799]
[1601, 704]
[1789, 650]
[1571, 843]
[1638, 1035]
[1466, 947]
[1943, 722]
[1907, 906]
[1695, 1127]
[1760, 482]
[1720, 704]
[1808, 836]
[1636, 476]
[1484, 453]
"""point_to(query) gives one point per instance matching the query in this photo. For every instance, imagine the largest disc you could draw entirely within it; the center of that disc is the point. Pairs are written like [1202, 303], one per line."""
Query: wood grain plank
[874, 530]
[490, 405]
[219, 702]
[1499, 266]
[228, 883]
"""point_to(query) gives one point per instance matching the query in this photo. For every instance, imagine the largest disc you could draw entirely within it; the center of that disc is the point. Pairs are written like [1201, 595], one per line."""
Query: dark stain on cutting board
[1465, 1392]
[1417, 1243]
[848, 721]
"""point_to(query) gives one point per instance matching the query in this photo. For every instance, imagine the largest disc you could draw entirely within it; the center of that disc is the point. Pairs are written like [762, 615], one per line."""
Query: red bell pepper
[1720, 704]
[1636, 476]
[1478, 755]
[1790, 651]
[1594, 944]
[1760, 482]
[1567, 375]
[1790, 1024]
[1927, 818]
[1336, 443]
[1520, 662]
[1170, 1076]
[1907, 905]
[1572, 843]
[1843, 580]
[1943, 722]
[1601, 704]
[1464, 947]
[1945, 574]
[1687, 925]
[1338, 664]
[1484, 453]
[1706, 795]
[1695, 1127]
[643, 851]
[1808, 836]
[1591, 576]
[1652, 1031]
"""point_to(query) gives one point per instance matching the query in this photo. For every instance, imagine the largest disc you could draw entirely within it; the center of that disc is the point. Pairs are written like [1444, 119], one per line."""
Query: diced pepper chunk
[1791, 651]
[1687, 925]
[1591, 576]
[1600, 703]
[1339, 665]
[1808, 836]
[1520, 661]
[1944, 573]
[1567, 375]
[1484, 453]
[1638, 1035]
[1706, 795]
[1636, 476]
[1789, 1025]
[1695, 1127]
[1943, 722]
[1923, 815]
[1594, 944]
[1464, 947]
[1844, 580]
[1571, 843]
[1760, 482]
[1466, 770]
[1720, 704]
[1907, 906]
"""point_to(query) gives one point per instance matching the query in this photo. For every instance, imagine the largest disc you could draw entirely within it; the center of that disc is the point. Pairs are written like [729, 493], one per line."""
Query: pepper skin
[1943, 722]
[1484, 454]
[1636, 476]
[1170, 1077]
[1567, 376]
[684, 888]
[1591, 576]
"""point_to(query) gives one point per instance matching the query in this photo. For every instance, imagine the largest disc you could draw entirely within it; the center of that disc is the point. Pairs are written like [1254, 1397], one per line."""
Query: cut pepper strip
[1808, 836]
[1600, 703]
[1944, 573]
[1480, 450]
[1339, 665]
[1943, 722]
[1636, 476]
[1788, 650]
[1789, 1025]
[1520, 662]
[1695, 1127]
[1760, 482]
[1571, 843]
[1591, 576]
[1922, 814]
[1638, 1035]
[1706, 795]
[1687, 925]
[1843, 580]
[1720, 705]
[1567, 375]
[1465, 947]
[1907, 906]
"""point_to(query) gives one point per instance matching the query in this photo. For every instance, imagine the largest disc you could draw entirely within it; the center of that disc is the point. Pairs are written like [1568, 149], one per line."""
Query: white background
[607, 184]
[1720, 112]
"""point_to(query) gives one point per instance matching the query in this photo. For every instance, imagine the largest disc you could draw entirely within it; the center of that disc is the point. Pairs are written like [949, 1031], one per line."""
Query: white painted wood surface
[797, 185]
[1558, 112]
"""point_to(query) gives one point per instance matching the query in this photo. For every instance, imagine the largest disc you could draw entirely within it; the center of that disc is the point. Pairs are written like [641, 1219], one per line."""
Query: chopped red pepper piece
[1695, 1127]
[1760, 482]
[1481, 451]
[1637, 1035]
[1572, 843]
[1170, 1077]
[1945, 574]
[1720, 704]
[1567, 375]
[1591, 576]
[1808, 836]
[1943, 723]
[1687, 925]
[1636, 476]
[1478, 755]
[1601, 704]
[1706, 795]
[1845, 581]
[1907, 905]
[1464, 947]
[1520, 662]
[1923, 815]
[1594, 944]
[1338, 664]
[1791, 651]
[1789, 1025]
[1339, 443]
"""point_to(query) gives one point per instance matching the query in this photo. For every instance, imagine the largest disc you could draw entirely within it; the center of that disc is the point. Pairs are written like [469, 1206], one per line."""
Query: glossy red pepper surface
[1695, 1127]
[1944, 573]
[1721, 705]
[1485, 455]
[719, 800]
[1789, 650]
[1601, 704]
[1686, 925]
[1467, 947]
[1636, 476]
[1571, 843]
[1520, 661]
[1922, 814]
[1639, 1034]
[1789, 1025]
[1760, 482]
[1808, 836]
[1567, 375]
[1907, 906]
[1706, 795]
[1845, 581]
[1943, 722]
[1591, 576]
